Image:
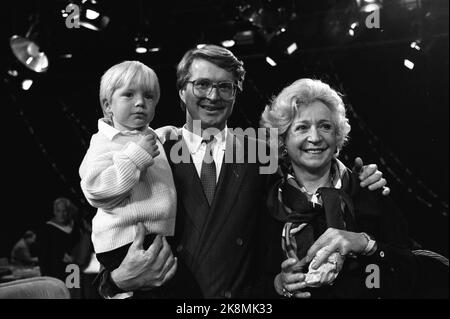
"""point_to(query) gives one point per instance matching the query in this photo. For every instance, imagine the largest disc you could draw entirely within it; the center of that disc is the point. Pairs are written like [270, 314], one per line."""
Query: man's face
[211, 110]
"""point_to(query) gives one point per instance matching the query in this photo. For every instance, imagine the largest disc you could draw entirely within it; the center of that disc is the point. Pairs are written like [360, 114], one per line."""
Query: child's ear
[106, 106]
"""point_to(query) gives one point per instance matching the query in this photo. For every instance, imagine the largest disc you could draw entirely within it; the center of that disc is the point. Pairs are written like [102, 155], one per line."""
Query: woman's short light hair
[283, 109]
[124, 73]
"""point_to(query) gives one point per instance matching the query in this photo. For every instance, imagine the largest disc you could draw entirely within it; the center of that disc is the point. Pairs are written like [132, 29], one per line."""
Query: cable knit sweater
[127, 186]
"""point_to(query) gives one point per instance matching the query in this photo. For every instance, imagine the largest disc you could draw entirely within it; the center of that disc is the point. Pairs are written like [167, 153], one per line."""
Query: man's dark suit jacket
[218, 246]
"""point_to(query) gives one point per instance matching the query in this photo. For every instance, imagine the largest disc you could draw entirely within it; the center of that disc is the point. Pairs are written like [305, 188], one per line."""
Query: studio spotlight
[27, 50]
[270, 61]
[91, 16]
[408, 64]
[369, 5]
[415, 45]
[228, 43]
[292, 48]
[26, 84]
[141, 44]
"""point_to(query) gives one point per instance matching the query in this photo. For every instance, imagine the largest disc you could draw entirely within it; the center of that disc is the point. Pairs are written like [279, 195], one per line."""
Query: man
[221, 200]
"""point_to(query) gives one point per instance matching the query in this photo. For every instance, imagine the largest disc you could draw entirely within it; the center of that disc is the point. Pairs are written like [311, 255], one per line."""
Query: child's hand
[148, 143]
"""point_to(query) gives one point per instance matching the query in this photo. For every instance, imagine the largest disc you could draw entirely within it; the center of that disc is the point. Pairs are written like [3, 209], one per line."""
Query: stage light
[141, 44]
[29, 53]
[26, 84]
[228, 43]
[415, 45]
[292, 48]
[369, 5]
[91, 16]
[408, 64]
[270, 61]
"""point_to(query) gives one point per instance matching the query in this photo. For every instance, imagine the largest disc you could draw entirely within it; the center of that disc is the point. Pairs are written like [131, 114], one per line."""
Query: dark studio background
[399, 116]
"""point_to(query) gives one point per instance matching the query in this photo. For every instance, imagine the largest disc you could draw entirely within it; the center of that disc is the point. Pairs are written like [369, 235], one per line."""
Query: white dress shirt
[197, 148]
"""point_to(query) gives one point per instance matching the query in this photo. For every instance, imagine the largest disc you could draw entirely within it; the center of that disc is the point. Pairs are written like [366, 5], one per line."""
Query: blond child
[125, 173]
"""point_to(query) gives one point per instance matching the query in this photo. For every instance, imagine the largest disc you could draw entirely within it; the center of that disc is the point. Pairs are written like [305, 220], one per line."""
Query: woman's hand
[370, 176]
[332, 240]
[145, 269]
[291, 280]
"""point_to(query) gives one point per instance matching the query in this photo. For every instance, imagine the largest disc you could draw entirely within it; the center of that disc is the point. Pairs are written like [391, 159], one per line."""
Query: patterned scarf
[305, 221]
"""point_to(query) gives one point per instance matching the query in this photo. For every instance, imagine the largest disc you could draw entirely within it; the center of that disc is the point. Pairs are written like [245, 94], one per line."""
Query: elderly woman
[340, 240]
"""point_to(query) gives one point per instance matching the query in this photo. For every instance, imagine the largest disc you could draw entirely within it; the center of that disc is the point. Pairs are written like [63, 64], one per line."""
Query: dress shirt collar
[194, 141]
[106, 128]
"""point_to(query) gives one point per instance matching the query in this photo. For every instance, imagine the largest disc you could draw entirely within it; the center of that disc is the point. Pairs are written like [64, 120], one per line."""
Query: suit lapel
[190, 190]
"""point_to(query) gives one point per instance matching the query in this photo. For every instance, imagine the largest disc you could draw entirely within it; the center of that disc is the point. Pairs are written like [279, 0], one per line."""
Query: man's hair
[122, 74]
[217, 55]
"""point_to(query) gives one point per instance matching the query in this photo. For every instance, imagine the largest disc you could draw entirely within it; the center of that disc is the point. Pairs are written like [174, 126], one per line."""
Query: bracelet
[371, 244]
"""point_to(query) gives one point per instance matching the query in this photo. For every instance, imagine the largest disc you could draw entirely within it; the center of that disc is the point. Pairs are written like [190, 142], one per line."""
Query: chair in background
[433, 282]
[34, 288]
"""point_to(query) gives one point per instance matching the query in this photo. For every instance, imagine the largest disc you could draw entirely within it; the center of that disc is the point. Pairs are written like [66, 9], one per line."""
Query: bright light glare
[92, 14]
[408, 64]
[26, 84]
[270, 61]
[292, 48]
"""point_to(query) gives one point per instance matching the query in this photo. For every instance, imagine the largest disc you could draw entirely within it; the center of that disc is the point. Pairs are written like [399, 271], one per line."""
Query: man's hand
[332, 240]
[166, 133]
[148, 143]
[145, 269]
[370, 176]
[291, 279]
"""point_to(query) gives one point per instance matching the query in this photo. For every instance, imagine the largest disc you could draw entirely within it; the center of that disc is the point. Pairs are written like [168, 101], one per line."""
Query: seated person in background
[21, 253]
[125, 173]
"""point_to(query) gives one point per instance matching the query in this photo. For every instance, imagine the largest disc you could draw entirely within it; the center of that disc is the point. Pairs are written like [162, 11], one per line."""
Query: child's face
[132, 107]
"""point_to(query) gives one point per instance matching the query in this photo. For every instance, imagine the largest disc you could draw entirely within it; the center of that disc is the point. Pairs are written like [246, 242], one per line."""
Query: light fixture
[141, 44]
[27, 49]
[292, 48]
[408, 64]
[228, 43]
[91, 16]
[270, 61]
[369, 5]
[415, 45]
[26, 84]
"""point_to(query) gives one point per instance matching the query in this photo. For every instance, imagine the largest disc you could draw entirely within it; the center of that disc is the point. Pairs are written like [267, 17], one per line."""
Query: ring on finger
[287, 293]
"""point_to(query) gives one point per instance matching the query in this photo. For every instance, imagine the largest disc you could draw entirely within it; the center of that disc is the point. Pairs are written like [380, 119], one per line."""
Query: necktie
[208, 173]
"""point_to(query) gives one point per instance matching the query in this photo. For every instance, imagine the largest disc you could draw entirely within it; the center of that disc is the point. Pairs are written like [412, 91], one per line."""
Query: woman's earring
[284, 151]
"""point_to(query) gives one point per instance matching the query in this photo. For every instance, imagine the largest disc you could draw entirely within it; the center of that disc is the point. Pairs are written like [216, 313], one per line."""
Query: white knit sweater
[119, 179]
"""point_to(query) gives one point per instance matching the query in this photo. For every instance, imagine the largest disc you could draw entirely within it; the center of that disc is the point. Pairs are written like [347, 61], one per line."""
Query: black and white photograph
[225, 157]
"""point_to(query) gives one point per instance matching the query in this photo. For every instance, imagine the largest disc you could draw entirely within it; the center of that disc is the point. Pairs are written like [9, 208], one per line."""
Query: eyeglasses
[203, 87]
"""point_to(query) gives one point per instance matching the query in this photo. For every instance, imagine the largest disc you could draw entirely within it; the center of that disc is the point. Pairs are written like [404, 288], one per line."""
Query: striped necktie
[208, 172]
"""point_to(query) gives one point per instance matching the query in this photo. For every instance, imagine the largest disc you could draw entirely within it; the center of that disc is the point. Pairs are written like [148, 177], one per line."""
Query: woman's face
[311, 138]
